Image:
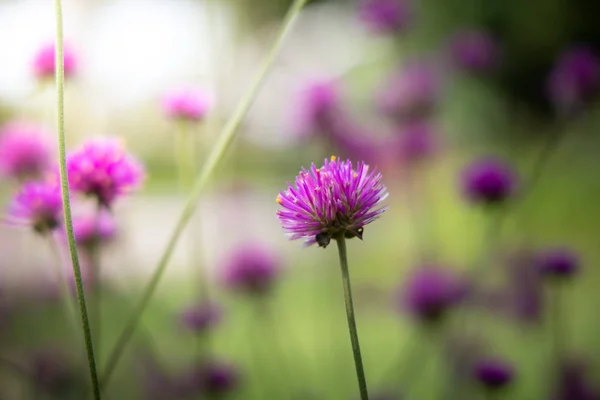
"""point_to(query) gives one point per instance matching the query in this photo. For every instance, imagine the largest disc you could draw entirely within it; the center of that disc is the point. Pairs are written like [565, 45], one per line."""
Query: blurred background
[478, 282]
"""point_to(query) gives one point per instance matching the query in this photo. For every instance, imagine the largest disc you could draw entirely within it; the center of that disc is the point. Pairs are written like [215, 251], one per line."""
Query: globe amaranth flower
[43, 63]
[186, 104]
[103, 169]
[474, 51]
[575, 78]
[37, 204]
[412, 93]
[573, 382]
[94, 229]
[317, 104]
[488, 181]
[416, 142]
[430, 292]
[336, 199]
[199, 318]
[25, 153]
[385, 16]
[493, 373]
[558, 262]
[251, 268]
[212, 378]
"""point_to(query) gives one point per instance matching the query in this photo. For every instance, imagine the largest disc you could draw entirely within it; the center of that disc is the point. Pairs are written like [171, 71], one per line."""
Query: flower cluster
[25, 152]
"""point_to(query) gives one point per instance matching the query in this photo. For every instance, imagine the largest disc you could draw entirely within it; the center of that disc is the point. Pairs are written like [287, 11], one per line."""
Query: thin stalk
[95, 268]
[65, 291]
[557, 327]
[215, 156]
[184, 156]
[60, 82]
[360, 372]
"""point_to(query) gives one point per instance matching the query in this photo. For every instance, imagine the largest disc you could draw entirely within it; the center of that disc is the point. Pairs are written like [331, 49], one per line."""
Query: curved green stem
[360, 372]
[209, 166]
[64, 182]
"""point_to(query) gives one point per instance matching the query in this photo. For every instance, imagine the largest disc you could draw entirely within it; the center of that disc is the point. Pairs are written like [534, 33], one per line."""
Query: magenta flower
[39, 205]
[102, 168]
[251, 268]
[211, 378]
[385, 16]
[332, 200]
[474, 51]
[317, 104]
[488, 181]
[558, 262]
[24, 151]
[188, 105]
[493, 373]
[44, 60]
[94, 229]
[199, 318]
[417, 142]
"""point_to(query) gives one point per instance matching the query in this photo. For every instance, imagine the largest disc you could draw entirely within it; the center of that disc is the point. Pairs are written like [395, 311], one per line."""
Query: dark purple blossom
[38, 205]
[430, 292]
[474, 51]
[332, 200]
[493, 373]
[386, 16]
[211, 379]
[199, 318]
[102, 168]
[25, 152]
[488, 181]
[43, 63]
[186, 104]
[251, 268]
[558, 262]
[573, 383]
[575, 78]
[412, 93]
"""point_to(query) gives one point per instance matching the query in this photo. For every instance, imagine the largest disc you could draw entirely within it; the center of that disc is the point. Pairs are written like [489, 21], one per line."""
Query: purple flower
[575, 78]
[39, 205]
[417, 142]
[251, 268]
[385, 16]
[474, 51]
[200, 317]
[318, 102]
[557, 262]
[573, 383]
[212, 379]
[44, 60]
[493, 373]
[488, 181]
[187, 104]
[332, 200]
[412, 93]
[24, 151]
[103, 169]
[429, 292]
[94, 229]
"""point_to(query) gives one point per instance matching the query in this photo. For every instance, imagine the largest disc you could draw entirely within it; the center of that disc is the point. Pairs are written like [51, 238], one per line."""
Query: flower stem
[557, 327]
[60, 82]
[360, 373]
[65, 290]
[215, 156]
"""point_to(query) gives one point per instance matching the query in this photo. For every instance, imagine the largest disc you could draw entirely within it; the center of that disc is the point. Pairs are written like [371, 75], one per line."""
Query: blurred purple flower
[211, 379]
[430, 292]
[103, 169]
[251, 268]
[51, 371]
[199, 318]
[575, 78]
[558, 262]
[488, 181]
[493, 373]
[317, 104]
[37, 204]
[186, 104]
[474, 51]
[332, 200]
[573, 384]
[94, 229]
[385, 16]
[44, 60]
[416, 142]
[24, 151]
[412, 93]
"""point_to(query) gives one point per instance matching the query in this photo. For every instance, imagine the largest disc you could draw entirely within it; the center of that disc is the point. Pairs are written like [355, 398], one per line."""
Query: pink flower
[44, 61]
[186, 104]
[24, 151]
[37, 204]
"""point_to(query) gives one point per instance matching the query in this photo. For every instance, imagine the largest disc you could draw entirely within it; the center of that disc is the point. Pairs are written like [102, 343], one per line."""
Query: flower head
[94, 229]
[44, 60]
[474, 51]
[573, 382]
[558, 262]
[488, 181]
[211, 378]
[385, 16]
[103, 169]
[251, 268]
[429, 292]
[332, 200]
[317, 103]
[200, 317]
[575, 78]
[24, 151]
[417, 142]
[37, 204]
[187, 105]
[493, 373]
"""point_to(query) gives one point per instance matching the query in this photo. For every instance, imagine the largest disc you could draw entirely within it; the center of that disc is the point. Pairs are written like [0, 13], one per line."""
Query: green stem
[60, 82]
[208, 168]
[184, 156]
[557, 333]
[360, 373]
[95, 269]
[65, 290]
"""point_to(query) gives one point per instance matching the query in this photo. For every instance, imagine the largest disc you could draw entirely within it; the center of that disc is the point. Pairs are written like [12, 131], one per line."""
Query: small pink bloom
[44, 61]
[186, 104]
[25, 152]
[37, 204]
